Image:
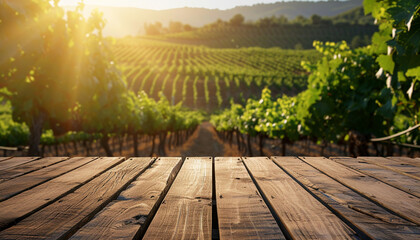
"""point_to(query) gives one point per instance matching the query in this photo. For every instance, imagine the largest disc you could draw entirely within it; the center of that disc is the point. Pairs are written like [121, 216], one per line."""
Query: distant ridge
[122, 21]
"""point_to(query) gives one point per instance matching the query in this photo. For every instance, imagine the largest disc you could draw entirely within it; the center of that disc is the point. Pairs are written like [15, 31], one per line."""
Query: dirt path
[204, 142]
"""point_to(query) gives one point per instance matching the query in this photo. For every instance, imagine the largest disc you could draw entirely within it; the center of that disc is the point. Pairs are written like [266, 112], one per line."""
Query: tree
[316, 19]
[36, 37]
[237, 20]
[175, 27]
[52, 59]
[301, 20]
[153, 29]
[356, 42]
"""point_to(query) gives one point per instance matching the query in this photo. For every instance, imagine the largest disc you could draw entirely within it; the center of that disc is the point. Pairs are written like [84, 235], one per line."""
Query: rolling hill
[130, 21]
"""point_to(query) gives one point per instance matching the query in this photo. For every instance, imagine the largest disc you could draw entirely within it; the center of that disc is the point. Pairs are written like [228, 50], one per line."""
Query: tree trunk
[237, 140]
[135, 144]
[86, 147]
[66, 152]
[35, 128]
[261, 144]
[75, 147]
[121, 143]
[389, 150]
[105, 145]
[249, 145]
[283, 147]
[43, 150]
[153, 146]
[56, 149]
[162, 140]
[170, 140]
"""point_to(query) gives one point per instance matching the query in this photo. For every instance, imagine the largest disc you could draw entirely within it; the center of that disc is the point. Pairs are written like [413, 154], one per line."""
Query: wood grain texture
[407, 160]
[302, 215]
[400, 181]
[11, 188]
[16, 161]
[377, 191]
[29, 167]
[65, 216]
[186, 211]
[126, 217]
[28, 202]
[402, 168]
[242, 213]
[4, 158]
[372, 220]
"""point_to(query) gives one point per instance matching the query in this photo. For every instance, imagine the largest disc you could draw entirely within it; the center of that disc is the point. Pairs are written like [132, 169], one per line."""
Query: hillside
[290, 36]
[207, 78]
[130, 21]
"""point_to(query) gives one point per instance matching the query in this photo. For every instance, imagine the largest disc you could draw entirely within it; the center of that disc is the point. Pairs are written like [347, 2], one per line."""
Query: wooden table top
[210, 198]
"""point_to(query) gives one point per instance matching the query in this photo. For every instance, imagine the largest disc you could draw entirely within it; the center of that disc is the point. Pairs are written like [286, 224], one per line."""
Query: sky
[168, 4]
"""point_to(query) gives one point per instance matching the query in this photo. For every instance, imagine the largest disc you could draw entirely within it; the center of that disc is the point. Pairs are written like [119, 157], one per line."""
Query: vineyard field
[206, 78]
[286, 36]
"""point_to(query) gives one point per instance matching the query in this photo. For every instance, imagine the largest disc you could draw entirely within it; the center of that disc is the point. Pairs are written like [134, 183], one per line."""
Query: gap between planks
[370, 220]
[63, 217]
[301, 215]
[129, 215]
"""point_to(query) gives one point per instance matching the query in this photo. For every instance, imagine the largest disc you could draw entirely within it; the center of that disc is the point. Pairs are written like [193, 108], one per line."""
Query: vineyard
[65, 84]
[286, 36]
[206, 78]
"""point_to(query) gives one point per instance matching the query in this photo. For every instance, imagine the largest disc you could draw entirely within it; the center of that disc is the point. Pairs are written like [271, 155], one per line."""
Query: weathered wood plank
[29, 167]
[129, 214]
[186, 211]
[242, 213]
[4, 158]
[402, 168]
[16, 161]
[65, 216]
[405, 160]
[377, 191]
[13, 187]
[302, 215]
[402, 182]
[28, 202]
[372, 220]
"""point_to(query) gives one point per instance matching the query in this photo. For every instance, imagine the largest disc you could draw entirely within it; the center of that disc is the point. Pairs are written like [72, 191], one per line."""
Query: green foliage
[397, 44]
[214, 75]
[237, 20]
[59, 76]
[285, 36]
[11, 133]
[344, 95]
[274, 119]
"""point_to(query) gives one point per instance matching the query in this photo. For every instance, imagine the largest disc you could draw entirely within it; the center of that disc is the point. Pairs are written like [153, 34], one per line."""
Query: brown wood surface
[302, 215]
[62, 218]
[16, 161]
[402, 168]
[405, 160]
[13, 187]
[255, 198]
[28, 202]
[29, 167]
[126, 217]
[369, 218]
[402, 182]
[377, 191]
[4, 158]
[241, 211]
[186, 211]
